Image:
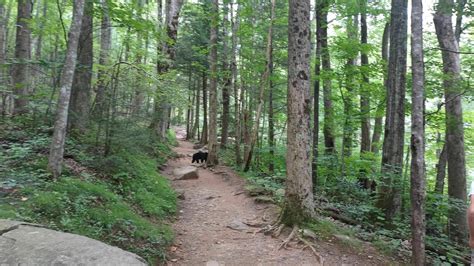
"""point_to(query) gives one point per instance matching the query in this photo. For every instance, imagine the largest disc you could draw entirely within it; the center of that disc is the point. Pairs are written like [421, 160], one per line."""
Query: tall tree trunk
[161, 117]
[454, 121]
[196, 115]
[417, 174]
[329, 123]
[105, 45]
[317, 84]
[20, 77]
[441, 170]
[299, 203]
[351, 83]
[379, 113]
[263, 82]
[213, 149]
[365, 145]
[189, 106]
[271, 122]
[82, 83]
[235, 27]
[364, 90]
[3, 70]
[39, 41]
[204, 136]
[227, 80]
[59, 136]
[459, 14]
[389, 199]
[139, 94]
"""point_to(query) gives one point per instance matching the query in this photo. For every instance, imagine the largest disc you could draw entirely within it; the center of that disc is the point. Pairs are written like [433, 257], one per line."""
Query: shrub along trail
[218, 224]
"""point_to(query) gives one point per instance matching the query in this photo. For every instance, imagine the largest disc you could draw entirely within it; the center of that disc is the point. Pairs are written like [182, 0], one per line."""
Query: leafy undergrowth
[119, 199]
[346, 209]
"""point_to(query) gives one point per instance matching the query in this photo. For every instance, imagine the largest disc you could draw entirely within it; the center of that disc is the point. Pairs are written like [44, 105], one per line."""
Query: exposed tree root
[290, 237]
[278, 227]
[311, 246]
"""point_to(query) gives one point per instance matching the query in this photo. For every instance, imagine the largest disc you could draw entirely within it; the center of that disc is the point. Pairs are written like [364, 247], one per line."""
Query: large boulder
[30, 244]
[186, 172]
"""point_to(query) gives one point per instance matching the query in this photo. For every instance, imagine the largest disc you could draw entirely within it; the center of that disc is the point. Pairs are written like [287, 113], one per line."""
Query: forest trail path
[216, 200]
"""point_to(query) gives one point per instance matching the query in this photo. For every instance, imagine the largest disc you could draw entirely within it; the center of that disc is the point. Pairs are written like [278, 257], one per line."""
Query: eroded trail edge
[219, 224]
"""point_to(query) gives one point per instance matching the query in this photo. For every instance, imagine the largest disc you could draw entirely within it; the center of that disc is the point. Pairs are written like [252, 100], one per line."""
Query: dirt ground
[217, 201]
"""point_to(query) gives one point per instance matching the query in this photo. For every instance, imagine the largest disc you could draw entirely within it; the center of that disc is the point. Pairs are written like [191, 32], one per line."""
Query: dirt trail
[216, 200]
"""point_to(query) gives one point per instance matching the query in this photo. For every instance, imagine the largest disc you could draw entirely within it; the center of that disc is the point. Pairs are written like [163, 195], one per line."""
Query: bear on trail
[199, 157]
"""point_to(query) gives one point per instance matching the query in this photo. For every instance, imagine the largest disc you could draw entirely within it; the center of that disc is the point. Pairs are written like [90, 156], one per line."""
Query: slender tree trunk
[365, 145]
[82, 83]
[299, 203]
[263, 82]
[235, 27]
[460, 4]
[161, 118]
[454, 121]
[417, 174]
[105, 45]
[271, 122]
[39, 42]
[139, 94]
[212, 159]
[317, 84]
[196, 115]
[204, 137]
[389, 198]
[364, 90]
[441, 170]
[351, 83]
[227, 80]
[379, 113]
[20, 71]
[329, 123]
[189, 105]
[59, 136]
[3, 69]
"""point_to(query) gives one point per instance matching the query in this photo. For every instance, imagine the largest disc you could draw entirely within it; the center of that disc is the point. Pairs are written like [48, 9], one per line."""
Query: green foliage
[119, 199]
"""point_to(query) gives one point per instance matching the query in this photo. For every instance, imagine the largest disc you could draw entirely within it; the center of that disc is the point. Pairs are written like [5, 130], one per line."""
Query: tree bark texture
[379, 113]
[299, 203]
[82, 82]
[454, 120]
[328, 126]
[263, 83]
[235, 27]
[20, 71]
[105, 45]
[227, 80]
[364, 90]
[389, 197]
[213, 149]
[417, 173]
[204, 136]
[441, 170]
[348, 99]
[59, 136]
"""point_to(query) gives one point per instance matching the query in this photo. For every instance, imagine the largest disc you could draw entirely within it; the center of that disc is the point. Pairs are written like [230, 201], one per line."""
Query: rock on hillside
[30, 244]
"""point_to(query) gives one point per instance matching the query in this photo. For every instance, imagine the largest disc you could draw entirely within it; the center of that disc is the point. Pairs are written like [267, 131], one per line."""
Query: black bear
[200, 157]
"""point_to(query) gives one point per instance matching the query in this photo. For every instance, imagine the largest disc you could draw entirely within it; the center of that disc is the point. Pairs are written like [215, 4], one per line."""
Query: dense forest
[355, 110]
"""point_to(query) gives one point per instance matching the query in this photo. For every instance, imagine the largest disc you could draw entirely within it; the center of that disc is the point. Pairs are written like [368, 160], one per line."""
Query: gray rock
[309, 233]
[264, 199]
[212, 263]
[180, 194]
[238, 225]
[29, 244]
[186, 172]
